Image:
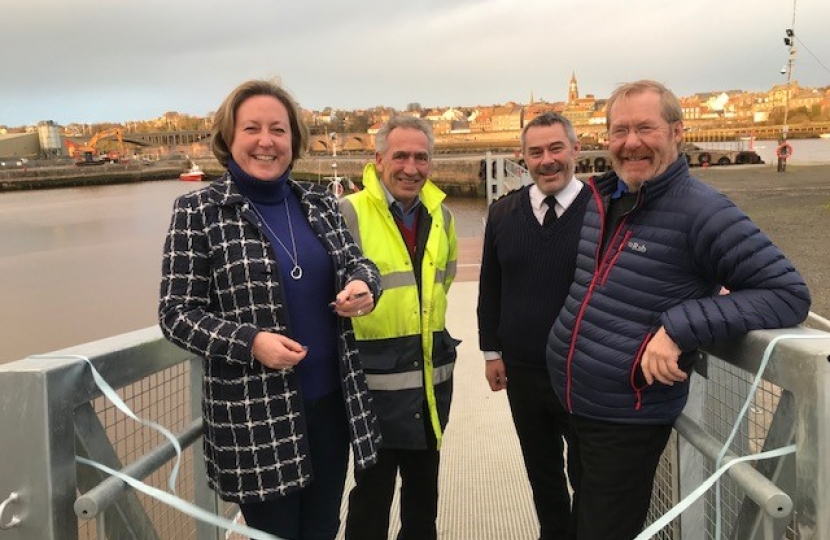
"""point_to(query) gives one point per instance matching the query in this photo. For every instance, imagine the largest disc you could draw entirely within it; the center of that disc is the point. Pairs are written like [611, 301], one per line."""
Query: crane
[87, 154]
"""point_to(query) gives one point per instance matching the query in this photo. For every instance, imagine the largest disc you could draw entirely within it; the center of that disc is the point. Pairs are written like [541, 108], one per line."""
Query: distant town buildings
[730, 109]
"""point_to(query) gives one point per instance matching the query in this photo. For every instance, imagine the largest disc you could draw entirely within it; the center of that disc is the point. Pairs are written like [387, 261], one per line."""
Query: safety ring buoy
[336, 188]
[784, 150]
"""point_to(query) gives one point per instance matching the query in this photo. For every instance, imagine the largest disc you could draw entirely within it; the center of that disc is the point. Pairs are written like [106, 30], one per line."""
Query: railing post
[490, 180]
[812, 498]
[38, 454]
[498, 164]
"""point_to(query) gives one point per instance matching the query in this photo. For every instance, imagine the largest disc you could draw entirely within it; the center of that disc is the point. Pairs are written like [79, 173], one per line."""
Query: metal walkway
[484, 493]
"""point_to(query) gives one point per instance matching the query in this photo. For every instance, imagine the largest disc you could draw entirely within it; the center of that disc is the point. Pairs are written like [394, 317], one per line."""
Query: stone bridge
[319, 144]
[163, 139]
[346, 142]
[365, 142]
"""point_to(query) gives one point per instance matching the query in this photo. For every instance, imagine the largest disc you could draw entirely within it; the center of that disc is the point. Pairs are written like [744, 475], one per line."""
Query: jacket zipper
[597, 269]
[638, 390]
[616, 256]
[583, 307]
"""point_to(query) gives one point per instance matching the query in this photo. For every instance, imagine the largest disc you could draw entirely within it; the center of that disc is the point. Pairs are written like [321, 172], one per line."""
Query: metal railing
[503, 175]
[51, 410]
[785, 497]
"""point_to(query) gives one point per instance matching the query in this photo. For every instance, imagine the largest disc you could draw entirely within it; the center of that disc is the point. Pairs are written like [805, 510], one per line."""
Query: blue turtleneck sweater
[311, 322]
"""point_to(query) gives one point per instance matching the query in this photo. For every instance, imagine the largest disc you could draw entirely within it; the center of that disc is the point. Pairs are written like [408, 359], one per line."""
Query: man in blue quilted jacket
[656, 247]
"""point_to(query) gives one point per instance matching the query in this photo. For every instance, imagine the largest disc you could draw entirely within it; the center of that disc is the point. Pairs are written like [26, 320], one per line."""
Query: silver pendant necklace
[296, 270]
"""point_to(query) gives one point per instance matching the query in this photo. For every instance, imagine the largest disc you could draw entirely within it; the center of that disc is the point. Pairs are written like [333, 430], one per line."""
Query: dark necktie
[550, 215]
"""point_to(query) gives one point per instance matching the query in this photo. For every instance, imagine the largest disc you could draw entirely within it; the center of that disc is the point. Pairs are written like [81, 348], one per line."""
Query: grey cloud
[90, 61]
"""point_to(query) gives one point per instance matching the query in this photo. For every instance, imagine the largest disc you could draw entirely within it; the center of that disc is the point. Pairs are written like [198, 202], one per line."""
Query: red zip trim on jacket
[620, 248]
[597, 268]
[601, 211]
[638, 391]
[574, 335]
[578, 321]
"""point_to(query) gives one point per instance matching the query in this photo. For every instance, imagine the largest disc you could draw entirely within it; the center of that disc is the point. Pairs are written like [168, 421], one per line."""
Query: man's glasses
[619, 133]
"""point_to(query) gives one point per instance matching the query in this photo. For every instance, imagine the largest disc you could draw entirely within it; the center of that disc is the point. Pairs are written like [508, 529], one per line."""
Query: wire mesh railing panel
[727, 390]
[666, 490]
[164, 398]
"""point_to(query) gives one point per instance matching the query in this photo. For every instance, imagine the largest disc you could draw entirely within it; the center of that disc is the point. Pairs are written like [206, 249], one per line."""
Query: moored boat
[193, 174]
[824, 135]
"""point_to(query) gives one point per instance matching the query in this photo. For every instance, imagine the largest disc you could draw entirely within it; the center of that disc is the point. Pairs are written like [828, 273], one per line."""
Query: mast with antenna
[784, 149]
[789, 41]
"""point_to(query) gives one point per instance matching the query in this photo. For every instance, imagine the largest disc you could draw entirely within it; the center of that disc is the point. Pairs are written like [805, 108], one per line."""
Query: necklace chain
[296, 270]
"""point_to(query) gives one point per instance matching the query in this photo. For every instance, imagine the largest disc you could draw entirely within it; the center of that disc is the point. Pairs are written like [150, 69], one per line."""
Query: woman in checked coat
[261, 277]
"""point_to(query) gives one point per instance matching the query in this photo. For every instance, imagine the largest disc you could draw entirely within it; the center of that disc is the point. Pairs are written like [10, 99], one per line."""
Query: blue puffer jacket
[663, 266]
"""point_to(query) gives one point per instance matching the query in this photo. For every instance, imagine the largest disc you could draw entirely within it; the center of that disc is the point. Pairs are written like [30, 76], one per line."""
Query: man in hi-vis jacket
[401, 224]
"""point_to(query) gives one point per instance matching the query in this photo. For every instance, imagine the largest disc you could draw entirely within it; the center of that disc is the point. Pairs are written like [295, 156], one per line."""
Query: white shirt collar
[564, 198]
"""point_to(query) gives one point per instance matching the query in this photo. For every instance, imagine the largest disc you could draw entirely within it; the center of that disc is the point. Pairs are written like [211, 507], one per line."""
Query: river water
[82, 264]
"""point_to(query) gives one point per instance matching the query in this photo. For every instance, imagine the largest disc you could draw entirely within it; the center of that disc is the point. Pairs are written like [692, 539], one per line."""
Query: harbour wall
[456, 178]
[71, 176]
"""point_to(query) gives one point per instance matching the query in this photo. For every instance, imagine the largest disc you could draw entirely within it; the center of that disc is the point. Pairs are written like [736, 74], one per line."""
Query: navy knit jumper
[312, 322]
[540, 262]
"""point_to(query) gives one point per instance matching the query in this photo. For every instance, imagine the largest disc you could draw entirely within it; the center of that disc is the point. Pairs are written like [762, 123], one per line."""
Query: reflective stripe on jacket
[406, 352]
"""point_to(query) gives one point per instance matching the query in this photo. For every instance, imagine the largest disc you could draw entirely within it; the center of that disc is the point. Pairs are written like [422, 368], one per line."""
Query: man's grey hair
[547, 119]
[403, 121]
[670, 107]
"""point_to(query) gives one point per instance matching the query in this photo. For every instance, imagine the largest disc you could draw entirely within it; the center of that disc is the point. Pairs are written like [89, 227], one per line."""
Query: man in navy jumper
[655, 248]
[527, 267]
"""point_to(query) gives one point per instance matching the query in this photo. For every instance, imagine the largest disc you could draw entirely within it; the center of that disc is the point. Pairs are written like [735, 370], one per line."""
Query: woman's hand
[277, 351]
[354, 300]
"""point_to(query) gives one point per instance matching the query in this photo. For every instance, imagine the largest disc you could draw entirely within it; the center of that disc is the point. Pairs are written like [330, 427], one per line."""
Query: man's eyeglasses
[618, 133]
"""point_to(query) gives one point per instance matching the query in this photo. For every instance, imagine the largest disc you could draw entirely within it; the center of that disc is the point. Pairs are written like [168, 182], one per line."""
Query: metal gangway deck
[52, 411]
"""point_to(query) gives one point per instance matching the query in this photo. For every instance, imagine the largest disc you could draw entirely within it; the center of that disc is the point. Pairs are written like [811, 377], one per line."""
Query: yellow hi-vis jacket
[406, 352]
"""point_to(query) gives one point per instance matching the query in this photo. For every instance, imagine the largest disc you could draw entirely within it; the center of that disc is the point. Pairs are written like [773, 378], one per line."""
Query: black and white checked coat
[220, 286]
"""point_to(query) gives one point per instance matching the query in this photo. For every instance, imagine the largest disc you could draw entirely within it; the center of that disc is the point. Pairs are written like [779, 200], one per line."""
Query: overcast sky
[118, 60]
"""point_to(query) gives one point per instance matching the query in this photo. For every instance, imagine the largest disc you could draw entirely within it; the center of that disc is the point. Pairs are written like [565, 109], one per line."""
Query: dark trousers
[542, 425]
[619, 463]
[312, 513]
[371, 498]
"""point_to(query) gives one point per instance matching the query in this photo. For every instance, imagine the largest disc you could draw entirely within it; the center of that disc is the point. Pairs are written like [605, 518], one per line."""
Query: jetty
[46, 495]
[484, 490]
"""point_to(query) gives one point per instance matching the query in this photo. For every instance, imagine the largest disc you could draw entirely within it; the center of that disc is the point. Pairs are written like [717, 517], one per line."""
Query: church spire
[573, 90]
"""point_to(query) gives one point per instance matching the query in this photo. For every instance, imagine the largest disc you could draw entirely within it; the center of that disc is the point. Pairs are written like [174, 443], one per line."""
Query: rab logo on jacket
[634, 246]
